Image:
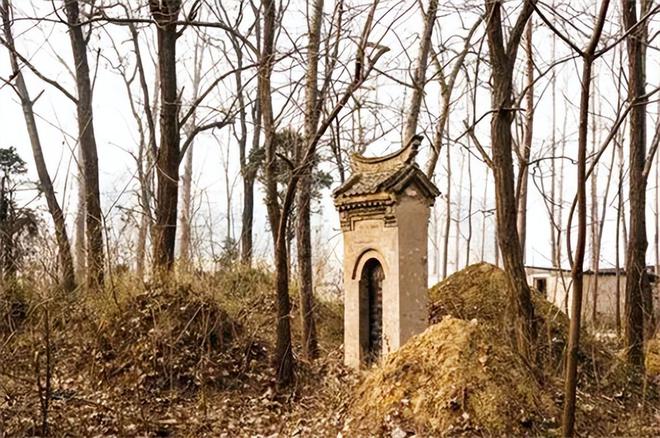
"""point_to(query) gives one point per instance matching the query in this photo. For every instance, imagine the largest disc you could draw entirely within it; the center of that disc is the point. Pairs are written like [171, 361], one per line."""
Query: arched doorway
[371, 310]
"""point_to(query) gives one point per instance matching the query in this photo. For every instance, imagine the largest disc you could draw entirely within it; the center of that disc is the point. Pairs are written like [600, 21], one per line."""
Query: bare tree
[67, 274]
[588, 55]
[524, 154]
[87, 139]
[419, 76]
[638, 301]
[185, 249]
[502, 58]
[303, 197]
[593, 214]
[448, 209]
[279, 214]
[166, 14]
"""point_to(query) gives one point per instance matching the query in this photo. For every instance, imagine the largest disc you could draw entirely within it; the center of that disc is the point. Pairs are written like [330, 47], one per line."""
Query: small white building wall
[559, 292]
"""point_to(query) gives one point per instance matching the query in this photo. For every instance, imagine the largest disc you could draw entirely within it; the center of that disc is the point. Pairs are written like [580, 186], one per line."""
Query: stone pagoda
[384, 210]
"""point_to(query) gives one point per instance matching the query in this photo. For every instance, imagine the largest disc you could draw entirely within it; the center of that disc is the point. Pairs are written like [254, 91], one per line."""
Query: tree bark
[637, 282]
[523, 175]
[502, 63]
[303, 195]
[87, 139]
[165, 14]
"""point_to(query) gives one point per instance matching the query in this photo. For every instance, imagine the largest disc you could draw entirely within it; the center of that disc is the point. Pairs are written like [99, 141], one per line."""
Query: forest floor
[193, 359]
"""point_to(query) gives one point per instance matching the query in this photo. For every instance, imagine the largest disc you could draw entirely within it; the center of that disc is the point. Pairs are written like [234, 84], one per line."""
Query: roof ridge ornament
[404, 156]
[381, 180]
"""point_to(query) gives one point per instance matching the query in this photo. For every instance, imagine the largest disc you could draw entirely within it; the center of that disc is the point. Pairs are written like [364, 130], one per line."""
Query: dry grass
[189, 358]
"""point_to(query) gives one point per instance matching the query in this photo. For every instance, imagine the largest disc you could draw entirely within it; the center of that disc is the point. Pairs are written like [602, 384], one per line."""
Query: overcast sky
[46, 44]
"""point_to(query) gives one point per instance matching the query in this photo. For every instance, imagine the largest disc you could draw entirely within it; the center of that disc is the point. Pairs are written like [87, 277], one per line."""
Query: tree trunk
[249, 165]
[445, 245]
[303, 195]
[523, 176]
[577, 272]
[147, 156]
[185, 250]
[283, 358]
[484, 207]
[419, 77]
[67, 274]
[595, 244]
[620, 233]
[637, 282]
[468, 239]
[457, 218]
[87, 139]
[167, 163]
[502, 64]
[553, 164]
[79, 222]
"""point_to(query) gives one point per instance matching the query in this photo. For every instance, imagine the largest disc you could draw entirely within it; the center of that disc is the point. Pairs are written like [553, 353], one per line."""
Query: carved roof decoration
[378, 180]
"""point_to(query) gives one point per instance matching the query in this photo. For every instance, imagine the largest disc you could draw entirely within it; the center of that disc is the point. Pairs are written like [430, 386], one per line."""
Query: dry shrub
[13, 309]
[653, 357]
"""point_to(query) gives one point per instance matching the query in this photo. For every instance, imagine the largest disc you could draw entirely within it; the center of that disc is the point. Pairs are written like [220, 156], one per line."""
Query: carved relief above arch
[364, 257]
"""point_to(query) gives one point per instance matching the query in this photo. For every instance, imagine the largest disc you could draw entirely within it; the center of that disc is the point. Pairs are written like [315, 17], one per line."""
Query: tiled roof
[389, 174]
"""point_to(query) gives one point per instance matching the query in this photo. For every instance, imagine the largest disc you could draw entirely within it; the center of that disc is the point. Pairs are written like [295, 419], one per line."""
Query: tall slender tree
[165, 13]
[67, 273]
[87, 139]
[502, 59]
[638, 289]
[525, 153]
[303, 233]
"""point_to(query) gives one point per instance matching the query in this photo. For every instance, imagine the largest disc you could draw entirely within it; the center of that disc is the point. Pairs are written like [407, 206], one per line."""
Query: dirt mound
[164, 338]
[453, 379]
[462, 376]
[482, 291]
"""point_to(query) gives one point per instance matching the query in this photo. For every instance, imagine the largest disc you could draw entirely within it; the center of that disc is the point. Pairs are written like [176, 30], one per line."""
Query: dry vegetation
[189, 359]
[461, 376]
[193, 359]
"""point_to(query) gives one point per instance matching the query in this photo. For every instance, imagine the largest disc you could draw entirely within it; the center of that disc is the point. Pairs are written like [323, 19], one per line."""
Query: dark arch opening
[371, 310]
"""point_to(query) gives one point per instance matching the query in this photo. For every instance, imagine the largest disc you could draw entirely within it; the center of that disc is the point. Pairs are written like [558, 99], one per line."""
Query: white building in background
[556, 285]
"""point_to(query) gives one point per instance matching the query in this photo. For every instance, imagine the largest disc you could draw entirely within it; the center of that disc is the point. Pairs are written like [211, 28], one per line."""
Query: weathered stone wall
[368, 239]
[401, 249]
